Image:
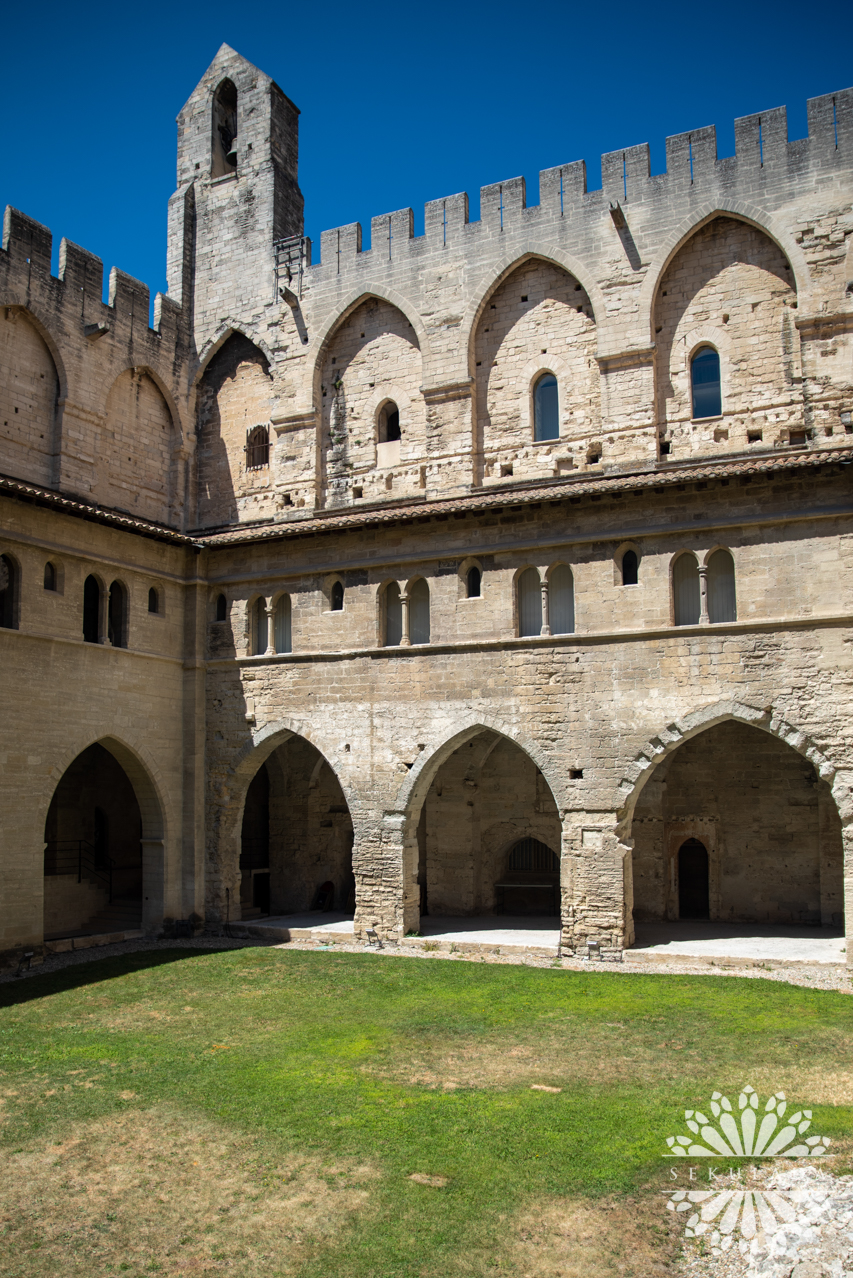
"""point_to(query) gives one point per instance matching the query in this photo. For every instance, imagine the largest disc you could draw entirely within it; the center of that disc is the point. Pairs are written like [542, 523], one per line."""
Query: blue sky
[400, 103]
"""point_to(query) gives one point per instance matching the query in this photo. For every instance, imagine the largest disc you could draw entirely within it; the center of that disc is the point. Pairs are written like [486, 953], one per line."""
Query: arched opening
[224, 148]
[283, 628]
[29, 392]
[693, 900]
[546, 408]
[117, 615]
[561, 600]
[9, 592]
[736, 827]
[336, 597]
[419, 612]
[686, 601]
[393, 615]
[529, 603]
[474, 583]
[630, 568]
[50, 577]
[91, 610]
[722, 603]
[153, 599]
[296, 837]
[705, 383]
[388, 423]
[135, 469]
[93, 850]
[489, 836]
[221, 608]
[260, 629]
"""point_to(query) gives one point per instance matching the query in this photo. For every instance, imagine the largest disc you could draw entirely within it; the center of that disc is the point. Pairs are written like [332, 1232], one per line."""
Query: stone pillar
[270, 648]
[405, 641]
[847, 836]
[595, 887]
[546, 617]
[387, 900]
[104, 617]
[704, 619]
[153, 884]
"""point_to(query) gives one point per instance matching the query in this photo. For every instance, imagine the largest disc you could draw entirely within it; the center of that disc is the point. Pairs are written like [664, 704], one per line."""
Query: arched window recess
[257, 448]
[474, 583]
[10, 584]
[336, 596]
[705, 383]
[117, 615]
[388, 434]
[220, 612]
[546, 408]
[282, 630]
[630, 568]
[224, 141]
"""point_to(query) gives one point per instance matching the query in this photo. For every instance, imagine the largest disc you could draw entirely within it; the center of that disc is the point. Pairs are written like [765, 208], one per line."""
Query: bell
[231, 153]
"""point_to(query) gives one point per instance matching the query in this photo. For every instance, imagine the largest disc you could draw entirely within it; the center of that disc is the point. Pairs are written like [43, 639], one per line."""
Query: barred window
[257, 448]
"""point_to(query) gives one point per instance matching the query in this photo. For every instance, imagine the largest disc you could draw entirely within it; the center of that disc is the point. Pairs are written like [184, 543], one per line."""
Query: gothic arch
[555, 257]
[142, 771]
[40, 324]
[225, 330]
[168, 397]
[641, 767]
[742, 212]
[344, 309]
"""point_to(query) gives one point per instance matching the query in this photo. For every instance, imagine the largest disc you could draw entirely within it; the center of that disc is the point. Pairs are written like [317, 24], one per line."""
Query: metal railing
[78, 856]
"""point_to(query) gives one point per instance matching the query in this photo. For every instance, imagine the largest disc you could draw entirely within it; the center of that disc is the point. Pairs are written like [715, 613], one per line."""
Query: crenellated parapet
[118, 381]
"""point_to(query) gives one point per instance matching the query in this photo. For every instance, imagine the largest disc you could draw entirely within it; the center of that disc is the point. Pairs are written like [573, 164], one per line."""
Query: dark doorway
[693, 900]
[255, 847]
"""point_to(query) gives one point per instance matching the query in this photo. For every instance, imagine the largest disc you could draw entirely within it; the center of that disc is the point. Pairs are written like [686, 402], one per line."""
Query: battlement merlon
[28, 247]
[759, 169]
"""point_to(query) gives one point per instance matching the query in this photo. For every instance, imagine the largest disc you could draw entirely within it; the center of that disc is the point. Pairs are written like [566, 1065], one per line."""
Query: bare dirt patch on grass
[158, 1191]
[611, 1238]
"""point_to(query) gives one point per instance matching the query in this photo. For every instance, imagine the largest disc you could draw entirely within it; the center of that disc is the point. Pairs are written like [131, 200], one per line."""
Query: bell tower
[238, 192]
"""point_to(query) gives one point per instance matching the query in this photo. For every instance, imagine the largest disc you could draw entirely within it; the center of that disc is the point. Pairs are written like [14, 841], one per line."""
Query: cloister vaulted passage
[489, 834]
[93, 854]
[296, 836]
[736, 826]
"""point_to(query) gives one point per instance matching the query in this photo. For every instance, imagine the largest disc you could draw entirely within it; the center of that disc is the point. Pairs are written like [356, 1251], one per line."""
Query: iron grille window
[257, 448]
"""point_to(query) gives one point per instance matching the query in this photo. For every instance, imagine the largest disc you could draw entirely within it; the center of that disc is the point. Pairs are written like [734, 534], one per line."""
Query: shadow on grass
[93, 971]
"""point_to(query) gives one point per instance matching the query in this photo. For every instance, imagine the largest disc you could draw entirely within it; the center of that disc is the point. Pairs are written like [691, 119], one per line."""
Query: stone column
[104, 617]
[387, 900]
[546, 616]
[595, 886]
[704, 619]
[405, 641]
[270, 648]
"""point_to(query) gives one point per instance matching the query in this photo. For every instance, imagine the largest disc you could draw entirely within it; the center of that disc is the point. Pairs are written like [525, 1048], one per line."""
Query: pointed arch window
[722, 604]
[388, 425]
[224, 157]
[419, 612]
[9, 584]
[705, 383]
[529, 603]
[546, 408]
[474, 583]
[153, 600]
[50, 579]
[282, 625]
[685, 591]
[561, 601]
[393, 615]
[337, 596]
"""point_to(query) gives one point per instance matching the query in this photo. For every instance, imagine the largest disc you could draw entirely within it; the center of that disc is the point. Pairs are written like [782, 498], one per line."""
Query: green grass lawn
[261, 1111]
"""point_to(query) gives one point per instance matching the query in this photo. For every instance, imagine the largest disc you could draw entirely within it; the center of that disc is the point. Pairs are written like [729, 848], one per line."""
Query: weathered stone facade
[296, 620]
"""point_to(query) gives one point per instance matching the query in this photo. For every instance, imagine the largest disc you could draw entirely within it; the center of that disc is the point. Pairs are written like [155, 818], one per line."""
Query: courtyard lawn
[263, 1112]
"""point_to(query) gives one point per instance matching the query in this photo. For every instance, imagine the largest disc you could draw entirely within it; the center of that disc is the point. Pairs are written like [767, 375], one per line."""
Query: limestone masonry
[505, 568]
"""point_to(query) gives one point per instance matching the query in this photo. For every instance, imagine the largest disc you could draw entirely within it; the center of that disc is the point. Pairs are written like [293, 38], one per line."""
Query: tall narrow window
[393, 615]
[49, 577]
[91, 610]
[546, 408]
[685, 589]
[8, 593]
[221, 608]
[257, 448]
[630, 568]
[389, 423]
[153, 600]
[337, 596]
[722, 605]
[259, 626]
[117, 615]
[474, 582]
[283, 633]
[529, 603]
[705, 381]
[224, 157]
[419, 612]
[561, 601]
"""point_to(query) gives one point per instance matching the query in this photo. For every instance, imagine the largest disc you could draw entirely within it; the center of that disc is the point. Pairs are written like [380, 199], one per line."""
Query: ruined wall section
[73, 435]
